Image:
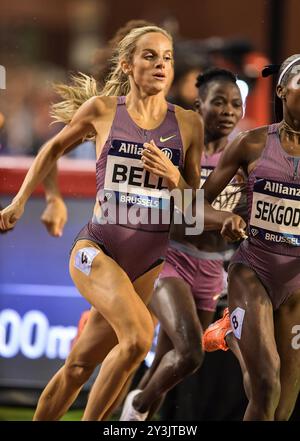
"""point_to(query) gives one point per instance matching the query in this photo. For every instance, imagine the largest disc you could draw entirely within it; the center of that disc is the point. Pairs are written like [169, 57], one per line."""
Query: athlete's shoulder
[102, 104]
[248, 144]
[184, 114]
[188, 119]
[254, 136]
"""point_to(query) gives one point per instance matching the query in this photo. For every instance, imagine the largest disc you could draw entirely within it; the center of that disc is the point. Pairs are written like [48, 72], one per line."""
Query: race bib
[275, 213]
[126, 178]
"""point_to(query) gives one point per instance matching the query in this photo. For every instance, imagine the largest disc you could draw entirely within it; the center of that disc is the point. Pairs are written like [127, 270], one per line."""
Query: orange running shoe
[214, 336]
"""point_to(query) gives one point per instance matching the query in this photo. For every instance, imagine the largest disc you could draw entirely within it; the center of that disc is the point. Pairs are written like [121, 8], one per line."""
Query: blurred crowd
[29, 89]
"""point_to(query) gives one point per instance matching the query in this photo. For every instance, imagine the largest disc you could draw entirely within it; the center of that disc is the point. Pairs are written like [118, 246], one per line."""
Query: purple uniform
[202, 270]
[205, 277]
[134, 222]
[273, 247]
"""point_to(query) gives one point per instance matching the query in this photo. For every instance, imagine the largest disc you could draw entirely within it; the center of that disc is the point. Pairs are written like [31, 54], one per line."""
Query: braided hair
[210, 75]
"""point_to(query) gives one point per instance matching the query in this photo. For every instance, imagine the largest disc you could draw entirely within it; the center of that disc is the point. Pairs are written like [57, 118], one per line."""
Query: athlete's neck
[146, 108]
[212, 146]
[290, 131]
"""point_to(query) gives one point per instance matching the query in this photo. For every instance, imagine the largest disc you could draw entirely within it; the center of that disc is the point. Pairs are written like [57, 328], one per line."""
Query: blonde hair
[84, 87]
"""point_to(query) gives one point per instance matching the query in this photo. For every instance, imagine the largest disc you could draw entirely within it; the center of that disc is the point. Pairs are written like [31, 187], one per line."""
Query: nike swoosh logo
[162, 139]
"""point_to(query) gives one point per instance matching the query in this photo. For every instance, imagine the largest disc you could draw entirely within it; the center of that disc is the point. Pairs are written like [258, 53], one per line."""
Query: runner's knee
[189, 360]
[78, 372]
